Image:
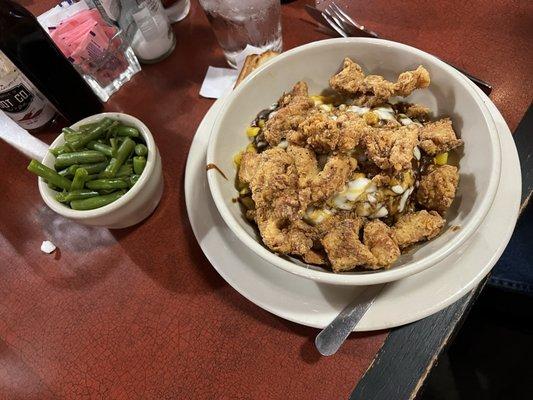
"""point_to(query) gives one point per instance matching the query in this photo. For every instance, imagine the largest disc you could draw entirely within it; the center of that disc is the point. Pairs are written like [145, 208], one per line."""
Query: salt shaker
[147, 28]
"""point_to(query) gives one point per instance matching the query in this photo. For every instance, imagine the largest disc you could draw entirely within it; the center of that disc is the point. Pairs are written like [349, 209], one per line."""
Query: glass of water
[240, 22]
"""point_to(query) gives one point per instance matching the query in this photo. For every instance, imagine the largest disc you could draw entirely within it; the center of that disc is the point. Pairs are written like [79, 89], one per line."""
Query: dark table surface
[140, 313]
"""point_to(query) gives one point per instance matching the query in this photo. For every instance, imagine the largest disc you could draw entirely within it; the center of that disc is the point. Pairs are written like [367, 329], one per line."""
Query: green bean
[125, 171]
[95, 168]
[88, 127]
[92, 177]
[64, 148]
[123, 152]
[141, 150]
[106, 191]
[96, 201]
[123, 130]
[68, 130]
[67, 197]
[114, 145]
[138, 164]
[79, 179]
[96, 132]
[102, 148]
[79, 157]
[133, 180]
[49, 175]
[107, 184]
[69, 171]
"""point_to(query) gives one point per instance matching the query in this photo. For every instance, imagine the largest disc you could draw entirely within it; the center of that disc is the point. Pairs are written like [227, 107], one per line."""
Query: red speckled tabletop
[139, 312]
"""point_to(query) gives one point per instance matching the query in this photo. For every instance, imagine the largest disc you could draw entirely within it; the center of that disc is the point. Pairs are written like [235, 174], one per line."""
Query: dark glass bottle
[28, 46]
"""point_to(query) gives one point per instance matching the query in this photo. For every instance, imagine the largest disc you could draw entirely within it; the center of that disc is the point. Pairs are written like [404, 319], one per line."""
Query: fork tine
[349, 20]
[334, 24]
[341, 21]
[337, 22]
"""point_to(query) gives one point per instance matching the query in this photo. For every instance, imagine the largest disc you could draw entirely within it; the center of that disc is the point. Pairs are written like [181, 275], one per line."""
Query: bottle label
[20, 100]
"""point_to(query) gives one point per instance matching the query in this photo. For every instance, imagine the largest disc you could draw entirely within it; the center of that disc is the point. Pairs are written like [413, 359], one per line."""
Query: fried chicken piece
[315, 257]
[416, 227]
[318, 131]
[380, 240]
[274, 186]
[352, 130]
[437, 188]
[372, 90]
[282, 237]
[349, 79]
[344, 249]
[248, 167]
[293, 109]
[392, 148]
[409, 81]
[320, 185]
[438, 137]
[416, 111]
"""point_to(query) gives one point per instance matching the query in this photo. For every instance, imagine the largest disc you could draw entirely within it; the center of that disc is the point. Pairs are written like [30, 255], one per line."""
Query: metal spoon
[331, 338]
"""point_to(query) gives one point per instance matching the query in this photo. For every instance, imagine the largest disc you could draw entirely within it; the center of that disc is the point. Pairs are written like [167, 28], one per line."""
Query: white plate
[309, 303]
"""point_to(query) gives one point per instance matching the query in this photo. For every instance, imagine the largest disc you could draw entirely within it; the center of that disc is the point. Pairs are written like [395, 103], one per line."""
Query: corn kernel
[252, 131]
[261, 123]
[251, 148]
[441, 159]
[317, 99]
[371, 118]
[237, 158]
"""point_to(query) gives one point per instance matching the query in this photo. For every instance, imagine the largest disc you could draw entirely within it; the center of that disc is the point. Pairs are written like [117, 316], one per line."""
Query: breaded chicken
[293, 109]
[320, 185]
[380, 240]
[274, 186]
[283, 237]
[409, 81]
[437, 188]
[318, 131]
[392, 148]
[417, 227]
[248, 166]
[416, 111]
[344, 249]
[352, 128]
[438, 137]
[373, 90]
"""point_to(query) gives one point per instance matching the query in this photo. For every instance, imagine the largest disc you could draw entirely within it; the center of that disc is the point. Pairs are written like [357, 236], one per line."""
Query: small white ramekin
[137, 204]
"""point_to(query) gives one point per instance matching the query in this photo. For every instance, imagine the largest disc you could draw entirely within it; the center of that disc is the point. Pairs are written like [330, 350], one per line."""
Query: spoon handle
[331, 338]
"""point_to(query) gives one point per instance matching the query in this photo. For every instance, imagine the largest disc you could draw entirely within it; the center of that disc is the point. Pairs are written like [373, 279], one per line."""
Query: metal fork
[346, 26]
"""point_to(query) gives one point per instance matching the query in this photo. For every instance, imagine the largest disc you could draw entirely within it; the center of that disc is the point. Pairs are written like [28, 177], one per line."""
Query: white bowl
[138, 202]
[448, 95]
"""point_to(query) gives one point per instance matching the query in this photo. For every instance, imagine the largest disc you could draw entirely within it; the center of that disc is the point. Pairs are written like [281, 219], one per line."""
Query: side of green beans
[49, 175]
[96, 202]
[96, 165]
[139, 162]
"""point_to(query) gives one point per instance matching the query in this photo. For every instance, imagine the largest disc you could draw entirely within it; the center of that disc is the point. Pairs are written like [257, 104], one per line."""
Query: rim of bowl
[107, 209]
[358, 278]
